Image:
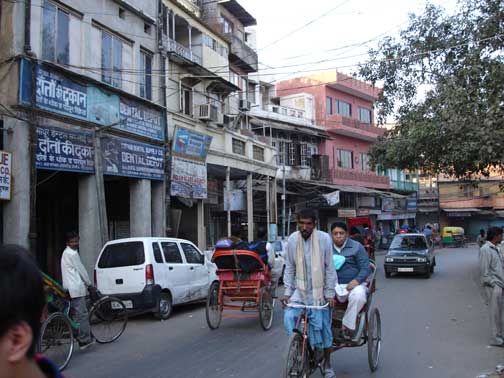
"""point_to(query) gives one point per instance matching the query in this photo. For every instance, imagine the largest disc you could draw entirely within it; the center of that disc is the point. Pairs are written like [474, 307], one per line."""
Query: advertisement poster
[64, 150]
[124, 157]
[191, 145]
[5, 175]
[188, 178]
[387, 204]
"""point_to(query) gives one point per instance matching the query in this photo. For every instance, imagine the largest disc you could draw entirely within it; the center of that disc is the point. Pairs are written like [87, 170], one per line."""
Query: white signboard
[332, 198]
[5, 175]
[188, 178]
[237, 200]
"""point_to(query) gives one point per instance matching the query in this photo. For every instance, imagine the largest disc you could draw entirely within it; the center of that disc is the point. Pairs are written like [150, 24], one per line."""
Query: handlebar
[295, 305]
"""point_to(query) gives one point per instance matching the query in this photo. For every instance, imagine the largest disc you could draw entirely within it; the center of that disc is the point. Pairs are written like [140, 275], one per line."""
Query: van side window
[192, 255]
[157, 253]
[171, 252]
[122, 254]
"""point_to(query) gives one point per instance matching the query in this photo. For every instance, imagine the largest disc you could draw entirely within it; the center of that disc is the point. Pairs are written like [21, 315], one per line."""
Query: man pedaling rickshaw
[352, 265]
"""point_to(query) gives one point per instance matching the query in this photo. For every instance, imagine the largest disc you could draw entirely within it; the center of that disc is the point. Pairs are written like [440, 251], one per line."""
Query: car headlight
[421, 259]
[389, 259]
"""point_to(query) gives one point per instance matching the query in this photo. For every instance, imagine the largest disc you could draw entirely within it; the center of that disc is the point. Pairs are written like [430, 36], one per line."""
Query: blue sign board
[411, 204]
[64, 150]
[124, 157]
[190, 144]
[139, 119]
[56, 93]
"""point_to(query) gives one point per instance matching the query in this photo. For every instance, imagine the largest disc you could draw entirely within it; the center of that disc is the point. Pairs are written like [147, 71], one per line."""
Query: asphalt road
[435, 327]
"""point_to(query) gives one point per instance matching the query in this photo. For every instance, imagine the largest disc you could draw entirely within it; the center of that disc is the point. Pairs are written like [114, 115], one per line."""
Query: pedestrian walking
[77, 282]
[23, 303]
[492, 279]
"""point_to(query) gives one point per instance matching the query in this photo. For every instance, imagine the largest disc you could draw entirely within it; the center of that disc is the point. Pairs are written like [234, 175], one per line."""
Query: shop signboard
[362, 212]
[332, 198]
[411, 204]
[347, 213]
[237, 200]
[368, 202]
[387, 204]
[139, 119]
[124, 157]
[5, 175]
[64, 150]
[389, 216]
[188, 178]
[57, 93]
[190, 144]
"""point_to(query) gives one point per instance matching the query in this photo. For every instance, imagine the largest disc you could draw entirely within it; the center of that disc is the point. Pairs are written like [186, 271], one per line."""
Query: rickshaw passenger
[309, 279]
[351, 276]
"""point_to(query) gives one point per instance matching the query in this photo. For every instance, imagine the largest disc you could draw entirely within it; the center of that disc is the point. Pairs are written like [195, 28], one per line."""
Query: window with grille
[364, 160]
[186, 100]
[364, 115]
[55, 34]
[112, 49]
[329, 105]
[238, 147]
[146, 75]
[280, 145]
[258, 153]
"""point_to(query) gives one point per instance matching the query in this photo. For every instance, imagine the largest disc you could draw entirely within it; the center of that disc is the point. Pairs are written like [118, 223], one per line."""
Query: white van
[153, 274]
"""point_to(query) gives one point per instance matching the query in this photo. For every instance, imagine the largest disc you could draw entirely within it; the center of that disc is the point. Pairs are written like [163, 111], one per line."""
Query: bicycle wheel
[56, 339]
[108, 318]
[213, 310]
[296, 359]
[374, 339]
[266, 308]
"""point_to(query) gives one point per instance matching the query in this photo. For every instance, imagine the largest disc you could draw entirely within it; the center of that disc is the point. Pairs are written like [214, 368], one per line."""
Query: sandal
[329, 373]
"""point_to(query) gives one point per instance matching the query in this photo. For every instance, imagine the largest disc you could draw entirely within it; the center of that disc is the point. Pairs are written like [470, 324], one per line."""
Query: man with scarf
[310, 279]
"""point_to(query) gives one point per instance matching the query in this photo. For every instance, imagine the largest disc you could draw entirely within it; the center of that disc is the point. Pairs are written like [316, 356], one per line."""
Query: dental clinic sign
[5, 175]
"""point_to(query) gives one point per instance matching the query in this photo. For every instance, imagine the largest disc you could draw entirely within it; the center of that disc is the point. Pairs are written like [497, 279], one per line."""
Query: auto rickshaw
[453, 237]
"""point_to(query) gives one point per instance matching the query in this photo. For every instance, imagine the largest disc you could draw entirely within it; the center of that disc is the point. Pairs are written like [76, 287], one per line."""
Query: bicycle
[108, 318]
[302, 359]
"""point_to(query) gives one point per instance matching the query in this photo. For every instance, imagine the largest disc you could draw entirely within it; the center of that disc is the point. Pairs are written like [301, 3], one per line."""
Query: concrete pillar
[158, 208]
[201, 225]
[16, 212]
[173, 25]
[140, 208]
[189, 27]
[250, 208]
[89, 225]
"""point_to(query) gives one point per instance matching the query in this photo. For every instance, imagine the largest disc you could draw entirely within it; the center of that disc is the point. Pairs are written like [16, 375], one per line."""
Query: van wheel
[164, 307]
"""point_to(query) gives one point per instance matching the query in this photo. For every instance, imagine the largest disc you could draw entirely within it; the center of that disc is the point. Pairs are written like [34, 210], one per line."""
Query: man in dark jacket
[351, 276]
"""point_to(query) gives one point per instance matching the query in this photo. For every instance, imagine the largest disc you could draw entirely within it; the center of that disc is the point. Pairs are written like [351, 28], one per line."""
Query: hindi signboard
[64, 150]
[124, 157]
[139, 119]
[5, 175]
[188, 178]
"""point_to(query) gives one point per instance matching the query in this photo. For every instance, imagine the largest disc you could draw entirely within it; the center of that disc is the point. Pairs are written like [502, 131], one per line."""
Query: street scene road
[435, 327]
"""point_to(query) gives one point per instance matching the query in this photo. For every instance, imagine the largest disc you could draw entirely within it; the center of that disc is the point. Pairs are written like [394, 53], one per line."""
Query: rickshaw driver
[310, 279]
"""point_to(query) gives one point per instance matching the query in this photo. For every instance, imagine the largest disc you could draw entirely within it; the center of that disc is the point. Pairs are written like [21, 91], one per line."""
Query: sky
[345, 22]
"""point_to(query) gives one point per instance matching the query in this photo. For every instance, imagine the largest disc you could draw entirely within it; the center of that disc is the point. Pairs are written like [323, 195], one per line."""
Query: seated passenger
[351, 276]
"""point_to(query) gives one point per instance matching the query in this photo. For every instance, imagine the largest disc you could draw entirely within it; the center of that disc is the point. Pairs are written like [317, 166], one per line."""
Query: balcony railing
[355, 175]
[177, 48]
[283, 110]
[355, 123]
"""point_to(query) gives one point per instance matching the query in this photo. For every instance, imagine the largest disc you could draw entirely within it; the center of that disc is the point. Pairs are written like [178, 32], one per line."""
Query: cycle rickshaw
[244, 289]
[301, 359]
[107, 317]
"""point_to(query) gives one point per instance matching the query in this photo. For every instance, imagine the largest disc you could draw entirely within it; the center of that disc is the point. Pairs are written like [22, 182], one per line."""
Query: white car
[280, 248]
[153, 274]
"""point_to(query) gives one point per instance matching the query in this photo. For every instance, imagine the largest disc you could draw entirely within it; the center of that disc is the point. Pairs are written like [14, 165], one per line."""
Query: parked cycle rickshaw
[244, 289]
[107, 317]
[301, 359]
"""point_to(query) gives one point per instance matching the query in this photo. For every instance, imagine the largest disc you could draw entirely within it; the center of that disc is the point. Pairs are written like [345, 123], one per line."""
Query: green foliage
[443, 81]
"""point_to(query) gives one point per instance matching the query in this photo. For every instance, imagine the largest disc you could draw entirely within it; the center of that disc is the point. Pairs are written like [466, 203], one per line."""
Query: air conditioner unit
[208, 112]
[228, 120]
[244, 105]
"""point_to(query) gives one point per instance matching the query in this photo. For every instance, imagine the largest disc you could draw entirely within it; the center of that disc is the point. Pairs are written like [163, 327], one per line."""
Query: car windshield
[408, 242]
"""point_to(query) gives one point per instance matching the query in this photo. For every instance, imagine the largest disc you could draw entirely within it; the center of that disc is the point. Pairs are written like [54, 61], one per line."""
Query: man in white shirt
[76, 281]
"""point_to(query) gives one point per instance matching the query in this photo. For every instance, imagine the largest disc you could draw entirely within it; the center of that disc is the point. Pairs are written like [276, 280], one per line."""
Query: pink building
[344, 107]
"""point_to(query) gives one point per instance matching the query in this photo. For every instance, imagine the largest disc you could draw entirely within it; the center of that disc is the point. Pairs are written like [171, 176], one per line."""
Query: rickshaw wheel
[213, 309]
[296, 362]
[56, 340]
[374, 339]
[266, 308]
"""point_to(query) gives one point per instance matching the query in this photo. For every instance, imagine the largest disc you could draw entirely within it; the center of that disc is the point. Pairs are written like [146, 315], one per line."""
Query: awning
[354, 189]
[427, 209]
[463, 210]
[239, 12]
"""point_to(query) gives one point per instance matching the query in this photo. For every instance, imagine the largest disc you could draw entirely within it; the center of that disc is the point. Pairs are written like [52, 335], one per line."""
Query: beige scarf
[317, 273]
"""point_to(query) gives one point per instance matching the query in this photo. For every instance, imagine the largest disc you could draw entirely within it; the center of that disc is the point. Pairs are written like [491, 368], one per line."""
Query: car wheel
[427, 272]
[164, 307]
[432, 265]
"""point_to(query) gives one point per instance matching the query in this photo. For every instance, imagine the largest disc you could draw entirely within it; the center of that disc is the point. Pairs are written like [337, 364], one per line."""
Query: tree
[443, 81]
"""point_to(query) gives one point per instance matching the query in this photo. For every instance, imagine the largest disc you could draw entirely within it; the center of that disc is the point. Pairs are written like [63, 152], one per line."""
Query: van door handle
[137, 268]
[170, 268]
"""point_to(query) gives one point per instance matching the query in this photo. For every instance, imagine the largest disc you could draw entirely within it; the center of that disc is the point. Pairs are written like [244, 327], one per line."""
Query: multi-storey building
[202, 45]
[83, 117]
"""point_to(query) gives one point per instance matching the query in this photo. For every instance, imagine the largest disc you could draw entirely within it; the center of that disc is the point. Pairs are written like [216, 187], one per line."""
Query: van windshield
[122, 254]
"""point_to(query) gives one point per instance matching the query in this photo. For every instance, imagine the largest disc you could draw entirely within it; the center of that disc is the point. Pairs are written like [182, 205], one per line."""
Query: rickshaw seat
[239, 260]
